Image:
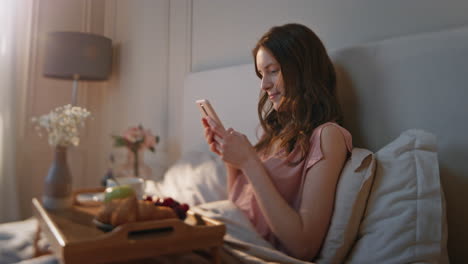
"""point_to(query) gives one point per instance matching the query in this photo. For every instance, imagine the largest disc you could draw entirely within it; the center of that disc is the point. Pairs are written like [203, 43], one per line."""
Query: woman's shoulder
[331, 131]
[327, 132]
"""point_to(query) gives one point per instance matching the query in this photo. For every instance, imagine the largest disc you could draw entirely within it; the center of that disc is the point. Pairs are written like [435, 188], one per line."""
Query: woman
[286, 183]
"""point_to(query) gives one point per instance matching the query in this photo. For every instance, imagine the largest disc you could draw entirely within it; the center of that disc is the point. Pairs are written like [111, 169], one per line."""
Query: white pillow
[404, 219]
[197, 177]
[352, 192]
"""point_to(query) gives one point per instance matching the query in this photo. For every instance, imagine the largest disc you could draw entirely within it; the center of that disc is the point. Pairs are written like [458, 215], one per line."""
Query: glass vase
[134, 166]
[58, 182]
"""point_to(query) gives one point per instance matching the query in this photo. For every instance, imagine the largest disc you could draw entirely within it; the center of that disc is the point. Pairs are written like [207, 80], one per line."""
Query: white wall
[137, 93]
[224, 31]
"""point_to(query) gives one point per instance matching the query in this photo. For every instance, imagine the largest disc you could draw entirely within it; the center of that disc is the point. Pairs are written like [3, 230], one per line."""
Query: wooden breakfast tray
[75, 239]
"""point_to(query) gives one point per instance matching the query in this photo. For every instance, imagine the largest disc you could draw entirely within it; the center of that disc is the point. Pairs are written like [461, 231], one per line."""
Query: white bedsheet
[241, 239]
[16, 243]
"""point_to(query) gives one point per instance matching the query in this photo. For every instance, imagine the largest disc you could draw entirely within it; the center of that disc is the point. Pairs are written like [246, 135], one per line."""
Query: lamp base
[75, 89]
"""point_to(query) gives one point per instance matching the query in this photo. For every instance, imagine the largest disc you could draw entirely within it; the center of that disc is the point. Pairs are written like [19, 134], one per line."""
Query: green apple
[118, 192]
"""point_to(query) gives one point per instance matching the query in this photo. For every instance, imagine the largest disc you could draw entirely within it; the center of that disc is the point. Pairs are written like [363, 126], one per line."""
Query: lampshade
[77, 55]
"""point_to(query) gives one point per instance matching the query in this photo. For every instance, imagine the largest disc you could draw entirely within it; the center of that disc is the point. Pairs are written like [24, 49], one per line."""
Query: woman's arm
[232, 173]
[300, 232]
[213, 141]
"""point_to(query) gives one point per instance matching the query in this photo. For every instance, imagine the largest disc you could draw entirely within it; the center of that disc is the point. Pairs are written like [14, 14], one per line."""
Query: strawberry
[180, 213]
[168, 201]
[185, 207]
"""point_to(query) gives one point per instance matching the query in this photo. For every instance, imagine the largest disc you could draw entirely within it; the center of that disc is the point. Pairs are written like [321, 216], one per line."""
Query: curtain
[9, 210]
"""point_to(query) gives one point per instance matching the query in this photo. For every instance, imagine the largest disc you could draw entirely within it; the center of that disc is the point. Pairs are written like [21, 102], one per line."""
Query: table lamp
[77, 56]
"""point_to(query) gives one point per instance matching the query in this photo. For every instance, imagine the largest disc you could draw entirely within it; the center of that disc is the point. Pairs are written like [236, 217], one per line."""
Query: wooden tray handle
[149, 229]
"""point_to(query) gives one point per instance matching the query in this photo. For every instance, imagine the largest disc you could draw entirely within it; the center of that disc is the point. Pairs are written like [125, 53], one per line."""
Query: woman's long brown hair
[309, 81]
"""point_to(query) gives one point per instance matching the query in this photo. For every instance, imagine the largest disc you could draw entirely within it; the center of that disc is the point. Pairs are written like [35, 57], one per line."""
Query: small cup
[137, 184]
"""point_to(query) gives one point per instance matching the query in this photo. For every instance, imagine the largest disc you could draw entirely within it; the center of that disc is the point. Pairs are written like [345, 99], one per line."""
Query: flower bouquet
[136, 140]
[62, 125]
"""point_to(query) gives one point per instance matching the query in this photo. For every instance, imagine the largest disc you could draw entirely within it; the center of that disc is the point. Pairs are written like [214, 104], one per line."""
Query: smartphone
[207, 110]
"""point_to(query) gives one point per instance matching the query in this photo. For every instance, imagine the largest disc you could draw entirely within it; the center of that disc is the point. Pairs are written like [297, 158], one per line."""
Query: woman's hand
[214, 136]
[233, 147]
[210, 134]
[236, 149]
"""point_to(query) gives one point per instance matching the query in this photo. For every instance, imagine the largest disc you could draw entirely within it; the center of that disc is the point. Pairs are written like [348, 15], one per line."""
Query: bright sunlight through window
[6, 26]
[7, 10]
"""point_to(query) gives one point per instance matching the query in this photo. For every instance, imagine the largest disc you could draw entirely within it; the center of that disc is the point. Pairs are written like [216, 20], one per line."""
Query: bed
[386, 88]
[404, 102]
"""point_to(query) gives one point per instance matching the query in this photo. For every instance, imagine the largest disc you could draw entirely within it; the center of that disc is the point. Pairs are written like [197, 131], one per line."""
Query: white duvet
[241, 239]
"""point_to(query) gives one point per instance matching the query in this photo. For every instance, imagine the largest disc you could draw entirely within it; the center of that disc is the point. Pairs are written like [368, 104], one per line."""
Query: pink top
[287, 180]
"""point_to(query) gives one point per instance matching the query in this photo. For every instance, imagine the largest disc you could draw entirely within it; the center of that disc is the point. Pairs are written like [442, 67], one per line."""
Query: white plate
[90, 197]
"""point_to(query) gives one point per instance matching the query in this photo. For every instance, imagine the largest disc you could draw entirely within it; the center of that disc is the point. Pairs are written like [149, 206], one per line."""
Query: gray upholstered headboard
[385, 88]
[417, 81]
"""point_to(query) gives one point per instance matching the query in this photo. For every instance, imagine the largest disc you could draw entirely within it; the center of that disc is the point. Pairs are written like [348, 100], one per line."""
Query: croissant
[126, 212]
[120, 211]
[104, 216]
[148, 211]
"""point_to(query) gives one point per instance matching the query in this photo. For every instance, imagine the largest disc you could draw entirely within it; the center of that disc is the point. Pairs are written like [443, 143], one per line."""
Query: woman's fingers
[205, 122]
[215, 148]
[212, 137]
[230, 132]
[213, 140]
[218, 139]
[215, 126]
[208, 135]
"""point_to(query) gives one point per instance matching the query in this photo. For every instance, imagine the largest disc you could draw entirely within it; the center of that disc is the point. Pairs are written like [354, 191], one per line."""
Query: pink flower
[136, 138]
[133, 134]
[150, 140]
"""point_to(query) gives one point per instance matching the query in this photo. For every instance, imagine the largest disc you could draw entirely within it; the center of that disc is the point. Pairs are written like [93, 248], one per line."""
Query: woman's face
[272, 79]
